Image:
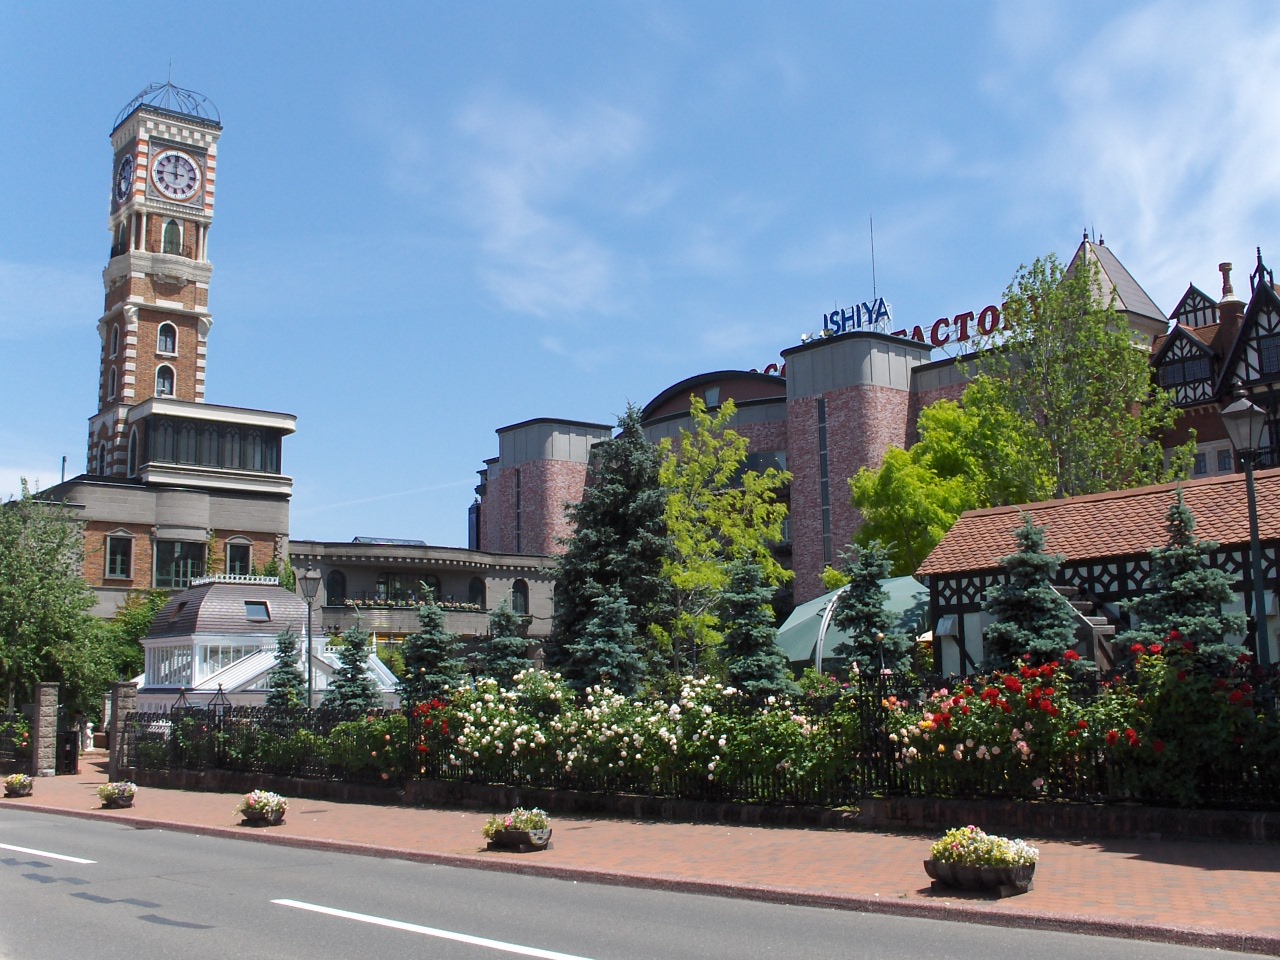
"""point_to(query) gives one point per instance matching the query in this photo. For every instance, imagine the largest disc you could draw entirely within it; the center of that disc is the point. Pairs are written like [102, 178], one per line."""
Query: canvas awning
[906, 601]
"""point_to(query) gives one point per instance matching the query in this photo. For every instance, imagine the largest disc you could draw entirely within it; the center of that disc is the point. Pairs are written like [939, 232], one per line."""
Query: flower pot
[1007, 880]
[117, 803]
[263, 818]
[521, 839]
[22, 791]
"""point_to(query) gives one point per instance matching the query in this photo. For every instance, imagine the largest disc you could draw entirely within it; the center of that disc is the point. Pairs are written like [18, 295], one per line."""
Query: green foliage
[432, 657]
[619, 543]
[393, 658]
[861, 614]
[1099, 431]
[281, 568]
[351, 689]
[716, 512]
[754, 662]
[607, 652]
[288, 686]
[1032, 618]
[46, 633]
[1185, 594]
[372, 748]
[502, 654]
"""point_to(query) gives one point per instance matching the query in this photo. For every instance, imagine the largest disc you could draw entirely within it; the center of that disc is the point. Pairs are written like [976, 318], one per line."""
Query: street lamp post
[1245, 422]
[310, 583]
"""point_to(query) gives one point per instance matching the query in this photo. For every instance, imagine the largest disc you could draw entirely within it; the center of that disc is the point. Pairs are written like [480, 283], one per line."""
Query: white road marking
[431, 931]
[44, 853]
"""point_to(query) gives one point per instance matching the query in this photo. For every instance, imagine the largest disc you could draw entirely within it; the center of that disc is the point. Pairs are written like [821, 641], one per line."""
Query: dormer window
[167, 339]
[164, 381]
[171, 242]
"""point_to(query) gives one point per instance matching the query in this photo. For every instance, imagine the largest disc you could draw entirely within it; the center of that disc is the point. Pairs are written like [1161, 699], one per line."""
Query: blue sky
[435, 219]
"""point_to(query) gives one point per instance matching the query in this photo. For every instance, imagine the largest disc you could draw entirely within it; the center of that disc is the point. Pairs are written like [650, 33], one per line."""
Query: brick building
[173, 487]
[842, 398]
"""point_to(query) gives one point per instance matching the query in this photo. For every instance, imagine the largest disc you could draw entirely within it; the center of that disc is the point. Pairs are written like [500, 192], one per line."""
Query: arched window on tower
[164, 380]
[101, 466]
[520, 598]
[111, 384]
[167, 338]
[172, 239]
[122, 239]
[131, 468]
[115, 340]
[335, 589]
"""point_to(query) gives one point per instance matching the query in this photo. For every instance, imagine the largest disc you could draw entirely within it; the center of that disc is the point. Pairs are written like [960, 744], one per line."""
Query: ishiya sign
[877, 315]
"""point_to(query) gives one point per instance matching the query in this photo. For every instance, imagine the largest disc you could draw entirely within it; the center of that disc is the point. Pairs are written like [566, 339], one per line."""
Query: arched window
[162, 442]
[164, 380]
[132, 467]
[209, 446]
[122, 239]
[186, 443]
[335, 589]
[172, 241]
[167, 339]
[115, 340]
[231, 449]
[253, 450]
[102, 460]
[520, 597]
[111, 384]
[239, 556]
[475, 592]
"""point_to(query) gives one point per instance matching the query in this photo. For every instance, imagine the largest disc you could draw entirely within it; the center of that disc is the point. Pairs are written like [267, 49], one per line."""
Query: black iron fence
[850, 752]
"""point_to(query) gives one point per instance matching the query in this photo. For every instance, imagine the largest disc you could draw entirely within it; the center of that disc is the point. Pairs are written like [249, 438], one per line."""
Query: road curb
[954, 911]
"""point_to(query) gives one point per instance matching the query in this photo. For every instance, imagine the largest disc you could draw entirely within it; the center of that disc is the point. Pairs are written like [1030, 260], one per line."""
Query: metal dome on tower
[168, 98]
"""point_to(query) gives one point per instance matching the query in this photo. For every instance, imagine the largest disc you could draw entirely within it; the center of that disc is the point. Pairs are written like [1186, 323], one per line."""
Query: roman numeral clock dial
[176, 175]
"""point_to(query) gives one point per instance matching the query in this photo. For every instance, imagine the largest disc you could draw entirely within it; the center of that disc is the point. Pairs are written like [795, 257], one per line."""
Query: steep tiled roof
[1110, 524]
[1130, 297]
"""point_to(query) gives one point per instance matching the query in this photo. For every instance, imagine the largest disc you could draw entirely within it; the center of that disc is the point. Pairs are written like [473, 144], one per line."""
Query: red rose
[1112, 737]
[1156, 648]
[1235, 696]
[1012, 685]
[1082, 724]
[1137, 649]
[1174, 635]
[1071, 656]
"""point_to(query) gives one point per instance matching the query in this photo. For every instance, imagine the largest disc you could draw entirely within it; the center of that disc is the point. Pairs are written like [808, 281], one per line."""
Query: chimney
[1230, 311]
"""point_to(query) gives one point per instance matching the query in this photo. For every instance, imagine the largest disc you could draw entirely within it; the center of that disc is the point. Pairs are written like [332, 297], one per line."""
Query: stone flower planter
[263, 818]
[520, 840]
[23, 790]
[1008, 881]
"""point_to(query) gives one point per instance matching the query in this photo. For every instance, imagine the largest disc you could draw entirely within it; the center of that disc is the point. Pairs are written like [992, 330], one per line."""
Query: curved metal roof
[219, 608]
[172, 99]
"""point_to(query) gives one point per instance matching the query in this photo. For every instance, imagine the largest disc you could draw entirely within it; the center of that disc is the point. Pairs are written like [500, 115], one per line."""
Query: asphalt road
[148, 894]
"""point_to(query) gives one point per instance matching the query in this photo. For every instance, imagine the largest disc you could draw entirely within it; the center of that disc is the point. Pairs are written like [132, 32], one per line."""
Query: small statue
[86, 736]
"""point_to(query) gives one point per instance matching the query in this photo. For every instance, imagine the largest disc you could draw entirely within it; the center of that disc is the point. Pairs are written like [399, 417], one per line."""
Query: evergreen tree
[288, 686]
[754, 662]
[1031, 617]
[502, 654]
[432, 658]
[861, 615]
[619, 542]
[606, 653]
[351, 689]
[1185, 593]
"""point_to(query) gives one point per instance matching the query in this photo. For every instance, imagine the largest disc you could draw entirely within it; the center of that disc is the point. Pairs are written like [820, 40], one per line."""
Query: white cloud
[1164, 126]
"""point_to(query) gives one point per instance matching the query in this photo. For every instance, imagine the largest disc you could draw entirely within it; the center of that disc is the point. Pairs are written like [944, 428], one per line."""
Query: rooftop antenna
[872, 220]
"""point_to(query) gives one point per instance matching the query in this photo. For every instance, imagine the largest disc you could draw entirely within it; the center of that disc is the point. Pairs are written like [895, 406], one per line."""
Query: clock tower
[155, 324]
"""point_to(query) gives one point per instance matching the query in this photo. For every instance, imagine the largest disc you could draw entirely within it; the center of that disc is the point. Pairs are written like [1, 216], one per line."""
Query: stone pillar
[124, 701]
[44, 731]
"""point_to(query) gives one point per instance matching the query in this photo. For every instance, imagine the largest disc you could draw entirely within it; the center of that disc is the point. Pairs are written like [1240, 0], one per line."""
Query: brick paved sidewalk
[1206, 894]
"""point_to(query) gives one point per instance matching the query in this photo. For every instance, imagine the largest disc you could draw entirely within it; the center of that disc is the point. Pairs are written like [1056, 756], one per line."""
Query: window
[115, 340]
[100, 468]
[713, 397]
[431, 588]
[393, 588]
[119, 557]
[178, 563]
[1201, 466]
[167, 339]
[132, 467]
[239, 559]
[164, 381]
[186, 443]
[335, 589]
[1269, 353]
[257, 611]
[231, 449]
[216, 656]
[162, 442]
[172, 240]
[209, 446]
[111, 384]
[475, 592]
[169, 666]
[520, 597]
[122, 239]
[253, 452]
[1224, 462]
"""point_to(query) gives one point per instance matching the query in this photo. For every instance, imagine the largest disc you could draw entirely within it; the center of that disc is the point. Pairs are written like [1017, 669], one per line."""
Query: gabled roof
[1195, 301]
[1264, 298]
[1130, 297]
[1109, 524]
[1193, 335]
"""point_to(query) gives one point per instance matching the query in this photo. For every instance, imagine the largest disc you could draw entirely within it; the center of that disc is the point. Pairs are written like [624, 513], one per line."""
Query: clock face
[124, 179]
[175, 175]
